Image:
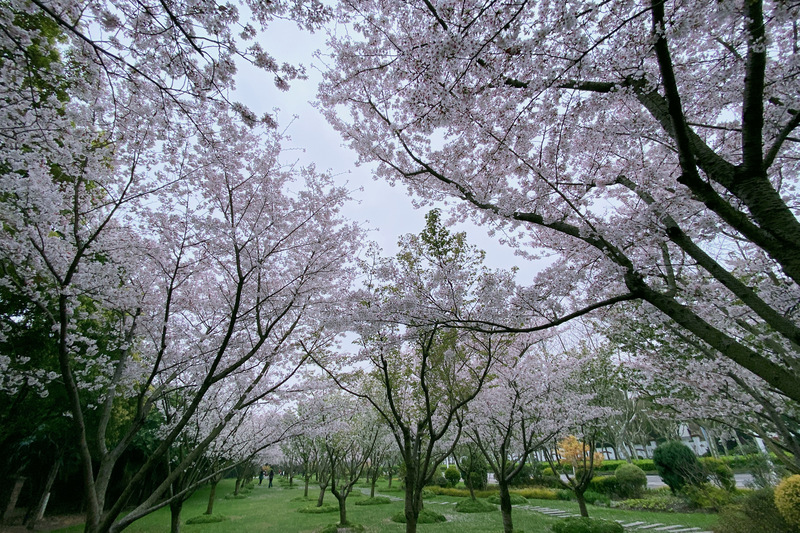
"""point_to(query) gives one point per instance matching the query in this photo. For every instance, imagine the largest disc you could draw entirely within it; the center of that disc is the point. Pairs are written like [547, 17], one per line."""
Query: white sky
[388, 210]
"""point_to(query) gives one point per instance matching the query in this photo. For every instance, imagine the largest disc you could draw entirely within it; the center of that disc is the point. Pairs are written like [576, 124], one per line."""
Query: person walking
[271, 475]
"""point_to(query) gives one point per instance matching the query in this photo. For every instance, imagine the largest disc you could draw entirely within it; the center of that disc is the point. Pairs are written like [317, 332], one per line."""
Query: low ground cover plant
[516, 499]
[475, 506]
[586, 525]
[426, 516]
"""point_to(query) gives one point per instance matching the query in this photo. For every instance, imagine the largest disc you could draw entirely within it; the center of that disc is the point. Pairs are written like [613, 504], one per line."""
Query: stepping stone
[632, 524]
[649, 526]
[669, 528]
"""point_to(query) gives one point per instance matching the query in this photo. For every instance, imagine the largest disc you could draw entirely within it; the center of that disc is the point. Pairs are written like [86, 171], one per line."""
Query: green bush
[677, 465]
[756, 511]
[565, 495]
[206, 519]
[586, 525]
[441, 481]
[475, 506]
[452, 475]
[476, 471]
[631, 480]
[425, 517]
[607, 485]
[378, 500]
[525, 476]
[611, 465]
[552, 482]
[427, 494]
[516, 499]
[459, 493]
[707, 496]
[656, 501]
[719, 473]
[787, 499]
[595, 498]
[547, 471]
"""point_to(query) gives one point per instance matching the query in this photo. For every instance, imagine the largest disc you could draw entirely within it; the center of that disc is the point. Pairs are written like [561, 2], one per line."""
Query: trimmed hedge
[536, 493]
[319, 510]
[586, 525]
[426, 516]
[459, 493]
[377, 500]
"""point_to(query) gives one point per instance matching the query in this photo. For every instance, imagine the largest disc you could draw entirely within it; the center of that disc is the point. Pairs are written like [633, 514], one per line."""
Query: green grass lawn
[276, 510]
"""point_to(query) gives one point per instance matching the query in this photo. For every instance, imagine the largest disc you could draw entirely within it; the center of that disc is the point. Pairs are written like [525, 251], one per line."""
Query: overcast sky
[387, 210]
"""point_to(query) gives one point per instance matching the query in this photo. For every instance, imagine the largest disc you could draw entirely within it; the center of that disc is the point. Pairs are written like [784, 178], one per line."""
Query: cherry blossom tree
[528, 403]
[650, 148]
[420, 373]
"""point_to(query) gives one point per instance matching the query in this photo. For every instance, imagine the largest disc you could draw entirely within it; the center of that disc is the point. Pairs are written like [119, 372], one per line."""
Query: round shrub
[707, 496]
[474, 506]
[475, 471]
[755, 512]
[516, 499]
[677, 465]
[719, 473]
[452, 475]
[586, 525]
[787, 499]
[206, 519]
[631, 480]
[525, 476]
[425, 517]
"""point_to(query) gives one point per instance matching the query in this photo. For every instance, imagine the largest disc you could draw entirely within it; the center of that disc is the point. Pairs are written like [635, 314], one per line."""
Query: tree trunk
[342, 510]
[305, 489]
[211, 496]
[390, 479]
[469, 486]
[238, 484]
[321, 497]
[582, 504]
[38, 512]
[175, 516]
[505, 506]
[12, 499]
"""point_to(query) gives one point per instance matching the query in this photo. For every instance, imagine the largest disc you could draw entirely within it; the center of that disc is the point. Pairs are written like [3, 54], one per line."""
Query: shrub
[719, 473]
[536, 493]
[677, 465]
[206, 519]
[631, 480]
[548, 471]
[476, 471]
[664, 502]
[787, 499]
[755, 512]
[458, 493]
[586, 525]
[427, 494]
[475, 506]
[319, 510]
[707, 497]
[377, 500]
[452, 475]
[441, 481]
[552, 482]
[607, 485]
[565, 495]
[595, 498]
[525, 476]
[425, 517]
[516, 499]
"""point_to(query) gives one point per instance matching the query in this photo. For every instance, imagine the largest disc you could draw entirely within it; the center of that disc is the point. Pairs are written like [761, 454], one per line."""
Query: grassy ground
[276, 510]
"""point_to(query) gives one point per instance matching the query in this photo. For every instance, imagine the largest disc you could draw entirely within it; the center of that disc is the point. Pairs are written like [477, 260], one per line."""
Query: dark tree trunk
[305, 489]
[505, 506]
[12, 499]
[342, 509]
[582, 503]
[38, 511]
[321, 497]
[211, 496]
[175, 516]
